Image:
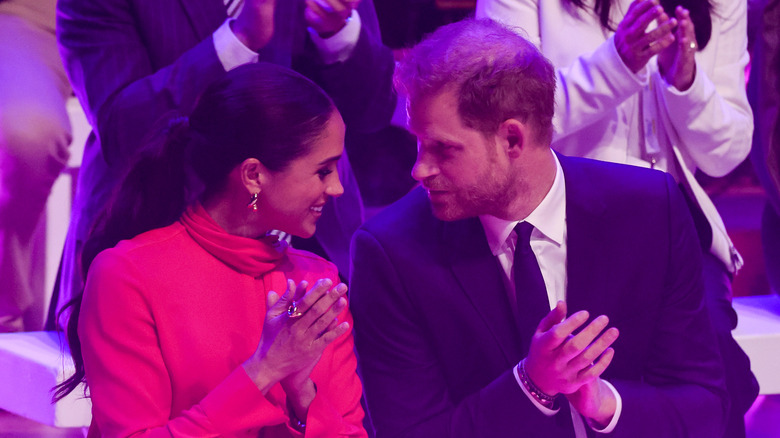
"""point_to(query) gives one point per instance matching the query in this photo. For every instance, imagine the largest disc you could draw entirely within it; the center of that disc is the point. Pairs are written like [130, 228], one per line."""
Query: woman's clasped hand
[290, 346]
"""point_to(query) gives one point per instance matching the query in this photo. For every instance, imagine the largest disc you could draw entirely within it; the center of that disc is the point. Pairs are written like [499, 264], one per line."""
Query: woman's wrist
[261, 374]
[299, 398]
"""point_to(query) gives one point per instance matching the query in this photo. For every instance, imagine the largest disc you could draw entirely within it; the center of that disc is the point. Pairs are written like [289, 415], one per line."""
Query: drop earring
[252, 202]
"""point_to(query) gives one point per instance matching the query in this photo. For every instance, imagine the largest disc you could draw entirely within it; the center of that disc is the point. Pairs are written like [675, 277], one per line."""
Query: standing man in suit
[132, 62]
[452, 287]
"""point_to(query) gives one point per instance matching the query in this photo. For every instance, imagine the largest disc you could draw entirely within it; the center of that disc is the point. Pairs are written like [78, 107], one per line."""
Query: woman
[656, 83]
[180, 331]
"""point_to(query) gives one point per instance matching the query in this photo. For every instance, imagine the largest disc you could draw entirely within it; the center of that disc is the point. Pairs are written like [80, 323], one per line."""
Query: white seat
[758, 333]
[31, 364]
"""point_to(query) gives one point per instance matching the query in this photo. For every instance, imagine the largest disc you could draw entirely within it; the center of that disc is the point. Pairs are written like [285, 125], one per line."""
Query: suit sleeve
[129, 383]
[682, 381]
[361, 86]
[407, 393]
[108, 64]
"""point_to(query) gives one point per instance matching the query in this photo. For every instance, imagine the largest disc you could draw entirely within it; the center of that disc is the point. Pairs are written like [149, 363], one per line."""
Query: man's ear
[513, 135]
[254, 176]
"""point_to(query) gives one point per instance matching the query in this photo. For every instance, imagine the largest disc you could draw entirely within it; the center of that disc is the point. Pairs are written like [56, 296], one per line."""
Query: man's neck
[534, 179]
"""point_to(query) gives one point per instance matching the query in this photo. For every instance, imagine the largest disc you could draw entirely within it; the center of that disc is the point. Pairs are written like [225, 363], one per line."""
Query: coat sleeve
[682, 380]
[127, 376]
[406, 390]
[712, 119]
[109, 65]
[361, 86]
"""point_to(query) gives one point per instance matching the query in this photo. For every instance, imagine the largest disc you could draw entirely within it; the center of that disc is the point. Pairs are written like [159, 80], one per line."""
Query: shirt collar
[549, 217]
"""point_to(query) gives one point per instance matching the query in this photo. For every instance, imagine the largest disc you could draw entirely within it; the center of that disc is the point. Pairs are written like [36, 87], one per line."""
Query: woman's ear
[254, 175]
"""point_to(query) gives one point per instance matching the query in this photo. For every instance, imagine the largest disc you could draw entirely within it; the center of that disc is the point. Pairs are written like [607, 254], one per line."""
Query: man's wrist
[544, 399]
[327, 34]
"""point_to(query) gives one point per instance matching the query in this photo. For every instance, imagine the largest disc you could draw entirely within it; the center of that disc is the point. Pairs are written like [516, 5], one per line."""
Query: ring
[293, 312]
[692, 45]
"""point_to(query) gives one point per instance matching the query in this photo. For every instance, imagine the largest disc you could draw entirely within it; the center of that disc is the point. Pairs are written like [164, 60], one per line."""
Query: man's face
[465, 173]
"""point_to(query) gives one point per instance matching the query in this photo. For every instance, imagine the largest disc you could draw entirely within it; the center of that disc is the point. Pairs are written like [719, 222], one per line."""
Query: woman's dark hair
[700, 15]
[258, 111]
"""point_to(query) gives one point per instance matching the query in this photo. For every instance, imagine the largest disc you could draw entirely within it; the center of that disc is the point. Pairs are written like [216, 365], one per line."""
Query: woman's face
[292, 199]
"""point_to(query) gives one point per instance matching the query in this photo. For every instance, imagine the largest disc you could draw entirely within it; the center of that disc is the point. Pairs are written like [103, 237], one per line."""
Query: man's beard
[492, 196]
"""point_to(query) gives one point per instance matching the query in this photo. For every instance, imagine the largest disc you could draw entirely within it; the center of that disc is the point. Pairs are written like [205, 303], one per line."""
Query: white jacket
[606, 112]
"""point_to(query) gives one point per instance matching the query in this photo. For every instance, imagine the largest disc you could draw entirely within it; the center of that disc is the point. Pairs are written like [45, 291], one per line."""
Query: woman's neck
[233, 218]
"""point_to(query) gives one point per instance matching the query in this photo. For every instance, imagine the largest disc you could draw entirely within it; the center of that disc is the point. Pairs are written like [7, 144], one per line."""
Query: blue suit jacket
[132, 62]
[436, 338]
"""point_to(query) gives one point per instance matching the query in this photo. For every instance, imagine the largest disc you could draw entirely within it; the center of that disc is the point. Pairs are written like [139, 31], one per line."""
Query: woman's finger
[316, 292]
[331, 335]
[324, 311]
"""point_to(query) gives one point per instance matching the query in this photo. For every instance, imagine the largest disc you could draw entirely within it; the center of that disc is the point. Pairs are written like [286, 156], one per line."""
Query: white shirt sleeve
[231, 51]
[550, 412]
[339, 47]
[618, 409]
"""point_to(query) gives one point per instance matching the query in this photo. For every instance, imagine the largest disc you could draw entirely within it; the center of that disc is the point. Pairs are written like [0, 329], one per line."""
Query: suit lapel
[480, 277]
[587, 273]
[204, 15]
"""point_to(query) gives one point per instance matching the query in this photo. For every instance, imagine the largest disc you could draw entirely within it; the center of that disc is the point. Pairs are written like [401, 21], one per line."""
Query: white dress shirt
[548, 242]
[233, 53]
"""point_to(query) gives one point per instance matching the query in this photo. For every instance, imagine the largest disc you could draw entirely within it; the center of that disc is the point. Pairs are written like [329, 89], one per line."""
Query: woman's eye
[322, 173]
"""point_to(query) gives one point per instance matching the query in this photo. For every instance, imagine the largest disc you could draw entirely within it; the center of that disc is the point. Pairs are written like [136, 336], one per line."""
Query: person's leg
[740, 381]
[34, 139]
[770, 239]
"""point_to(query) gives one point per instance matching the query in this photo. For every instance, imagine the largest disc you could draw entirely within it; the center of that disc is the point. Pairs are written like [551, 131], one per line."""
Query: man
[133, 62]
[451, 315]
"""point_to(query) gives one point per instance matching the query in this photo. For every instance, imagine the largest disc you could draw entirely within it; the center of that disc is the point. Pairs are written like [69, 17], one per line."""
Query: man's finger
[563, 330]
[598, 367]
[597, 348]
[578, 343]
[555, 316]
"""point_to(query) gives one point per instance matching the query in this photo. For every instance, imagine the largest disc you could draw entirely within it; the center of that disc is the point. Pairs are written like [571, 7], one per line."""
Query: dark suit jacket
[435, 334]
[132, 62]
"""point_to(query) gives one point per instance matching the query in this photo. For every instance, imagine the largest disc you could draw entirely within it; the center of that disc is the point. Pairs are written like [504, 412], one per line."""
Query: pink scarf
[254, 257]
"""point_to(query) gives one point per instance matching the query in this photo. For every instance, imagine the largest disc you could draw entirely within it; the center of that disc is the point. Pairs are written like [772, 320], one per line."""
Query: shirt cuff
[545, 410]
[231, 51]
[618, 409]
[338, 47]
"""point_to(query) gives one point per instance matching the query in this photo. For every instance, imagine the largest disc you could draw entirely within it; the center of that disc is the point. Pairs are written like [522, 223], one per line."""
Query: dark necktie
[532, 302]
[233, 7]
